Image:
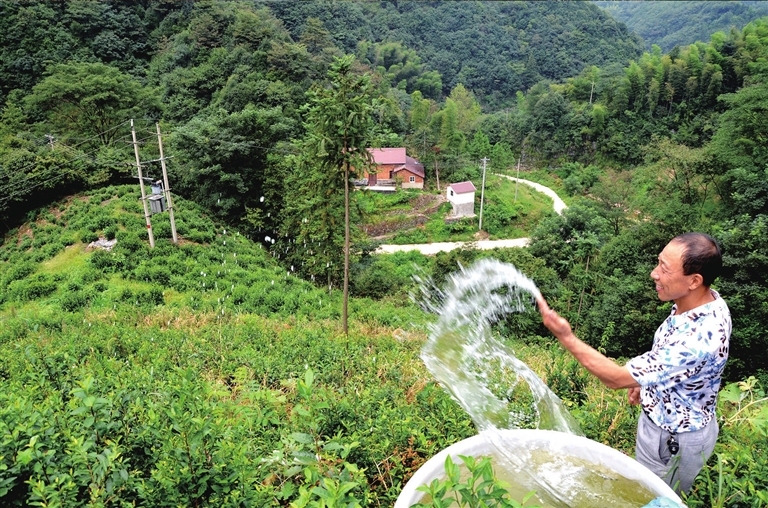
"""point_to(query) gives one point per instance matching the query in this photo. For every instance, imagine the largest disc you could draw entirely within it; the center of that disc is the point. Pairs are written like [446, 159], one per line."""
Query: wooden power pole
[166, 187]
[141, 184]
[482, 195]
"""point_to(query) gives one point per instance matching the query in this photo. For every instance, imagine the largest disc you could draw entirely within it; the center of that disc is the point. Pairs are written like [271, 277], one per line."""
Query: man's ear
[696, 281]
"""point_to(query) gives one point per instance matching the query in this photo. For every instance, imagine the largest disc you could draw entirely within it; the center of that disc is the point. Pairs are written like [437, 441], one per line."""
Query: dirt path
[434, 248]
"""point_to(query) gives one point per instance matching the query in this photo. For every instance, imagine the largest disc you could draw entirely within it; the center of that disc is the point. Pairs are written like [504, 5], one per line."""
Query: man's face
[671, 284]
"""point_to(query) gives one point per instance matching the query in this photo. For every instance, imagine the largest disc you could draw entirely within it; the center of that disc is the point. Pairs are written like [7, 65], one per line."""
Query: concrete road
[559, 204]
[434, 248]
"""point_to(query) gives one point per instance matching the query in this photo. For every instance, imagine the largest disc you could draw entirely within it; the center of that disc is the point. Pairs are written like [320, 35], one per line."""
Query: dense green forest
[680, 23]
[642, 145]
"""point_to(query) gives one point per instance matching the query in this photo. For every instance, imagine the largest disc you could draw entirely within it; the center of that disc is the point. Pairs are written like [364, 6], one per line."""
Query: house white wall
[463, 202]
[459, 198]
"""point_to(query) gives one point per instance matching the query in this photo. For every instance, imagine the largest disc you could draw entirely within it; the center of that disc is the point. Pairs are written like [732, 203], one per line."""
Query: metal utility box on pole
[166, 187]
[482, 195]
[141, 184]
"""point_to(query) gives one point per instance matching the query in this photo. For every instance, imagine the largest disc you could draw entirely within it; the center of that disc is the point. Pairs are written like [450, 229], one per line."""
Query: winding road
[434, 248]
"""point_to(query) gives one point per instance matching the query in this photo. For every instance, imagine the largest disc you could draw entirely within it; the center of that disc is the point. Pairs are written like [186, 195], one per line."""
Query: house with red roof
[392, 165]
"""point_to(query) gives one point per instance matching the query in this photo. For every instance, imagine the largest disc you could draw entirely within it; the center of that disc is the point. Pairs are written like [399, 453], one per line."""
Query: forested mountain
[671, 23]
[654, 145]
[493, 48]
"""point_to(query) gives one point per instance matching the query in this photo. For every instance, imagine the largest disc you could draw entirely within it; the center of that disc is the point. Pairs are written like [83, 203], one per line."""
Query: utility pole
[141, 184]
[167, 189]
[50, 140]
[590, 93]
[482, 195]
[517, 181]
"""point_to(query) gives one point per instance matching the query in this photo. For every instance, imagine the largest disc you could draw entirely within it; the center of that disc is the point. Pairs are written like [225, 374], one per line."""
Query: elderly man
[677, 381]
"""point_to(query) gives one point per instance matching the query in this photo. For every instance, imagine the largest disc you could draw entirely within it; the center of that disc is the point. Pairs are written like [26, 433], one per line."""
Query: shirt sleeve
[664, 368]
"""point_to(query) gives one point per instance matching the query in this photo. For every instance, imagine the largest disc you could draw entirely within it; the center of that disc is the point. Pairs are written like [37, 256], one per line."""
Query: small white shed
[462, 196]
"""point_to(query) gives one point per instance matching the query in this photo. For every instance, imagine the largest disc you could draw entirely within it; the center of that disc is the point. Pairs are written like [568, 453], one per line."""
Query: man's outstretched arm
[611, 375]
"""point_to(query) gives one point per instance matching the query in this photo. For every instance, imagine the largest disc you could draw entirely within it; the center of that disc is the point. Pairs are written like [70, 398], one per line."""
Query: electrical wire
[11, 191]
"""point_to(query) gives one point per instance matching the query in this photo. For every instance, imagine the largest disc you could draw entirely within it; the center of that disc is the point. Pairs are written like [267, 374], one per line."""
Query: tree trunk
[346, 248]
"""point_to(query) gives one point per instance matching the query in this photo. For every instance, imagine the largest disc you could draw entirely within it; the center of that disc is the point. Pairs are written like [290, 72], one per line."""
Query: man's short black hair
[701, 255]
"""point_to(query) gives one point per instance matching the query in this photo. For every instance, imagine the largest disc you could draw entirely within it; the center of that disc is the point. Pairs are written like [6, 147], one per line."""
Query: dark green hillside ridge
[670, 24]
[493, 48]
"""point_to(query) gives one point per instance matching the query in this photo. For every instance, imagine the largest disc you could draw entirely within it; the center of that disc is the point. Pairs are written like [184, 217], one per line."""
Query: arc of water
[481, 373]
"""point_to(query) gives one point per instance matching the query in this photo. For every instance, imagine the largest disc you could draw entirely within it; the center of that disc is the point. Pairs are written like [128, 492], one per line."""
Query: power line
[13, 190]
[53, 143]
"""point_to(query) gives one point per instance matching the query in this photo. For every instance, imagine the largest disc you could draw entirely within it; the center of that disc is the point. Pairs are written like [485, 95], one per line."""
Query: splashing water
[483, 375]
[480, 372]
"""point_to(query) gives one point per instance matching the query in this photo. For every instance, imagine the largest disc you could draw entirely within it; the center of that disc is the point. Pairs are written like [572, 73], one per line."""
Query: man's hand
[633, 395]
[556, 324]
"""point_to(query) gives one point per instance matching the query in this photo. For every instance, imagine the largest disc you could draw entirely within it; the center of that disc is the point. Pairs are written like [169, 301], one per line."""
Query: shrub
[162, 229]
[110, 232]
[103, 261]
[152, 296]
[68, 239]
[375, 280]
[51, 249]
[87, 236]
[73, 301]
[17, 271]
[126, 295]
[33, 288]
[128, 241]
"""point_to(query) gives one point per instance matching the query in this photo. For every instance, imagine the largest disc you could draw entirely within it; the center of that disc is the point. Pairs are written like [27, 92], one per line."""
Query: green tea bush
[51, 249]
[438, 230]
[180, 283]
[110, 232]
[162, 228]
[413, 236]
[107, 262]
[73, 301]
[126, 296]
[128, 241]
[17, 271]
[35, 287]
[198, 236]
[152, 296]
[375, 278]
[68, 238]
[87, 236]
[568, 379]
[24, 244]
[152, 273]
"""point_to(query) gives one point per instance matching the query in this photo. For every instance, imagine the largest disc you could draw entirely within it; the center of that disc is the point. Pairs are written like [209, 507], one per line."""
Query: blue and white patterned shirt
[680, 375]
